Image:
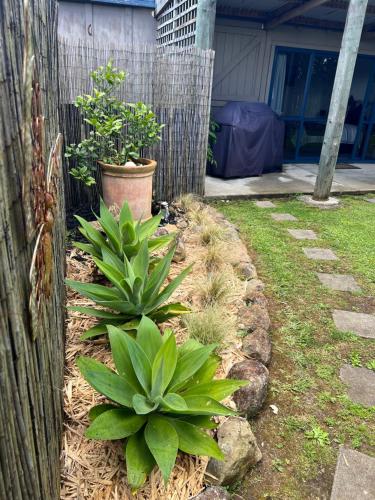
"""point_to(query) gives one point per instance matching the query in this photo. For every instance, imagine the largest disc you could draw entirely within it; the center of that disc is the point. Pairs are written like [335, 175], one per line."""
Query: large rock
[213, 493]
[254, 285]
[257, 298]
[250, 398]
[180, 251]
[182, 224]
[257, 345]
[161, 231]
[241, 451]
[253, 317]
[246, 270]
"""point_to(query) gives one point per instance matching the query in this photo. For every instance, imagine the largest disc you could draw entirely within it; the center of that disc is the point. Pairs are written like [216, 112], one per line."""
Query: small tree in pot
[119, 133]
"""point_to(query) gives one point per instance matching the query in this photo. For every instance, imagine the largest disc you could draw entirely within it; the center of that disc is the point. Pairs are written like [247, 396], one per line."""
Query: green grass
[315, 414]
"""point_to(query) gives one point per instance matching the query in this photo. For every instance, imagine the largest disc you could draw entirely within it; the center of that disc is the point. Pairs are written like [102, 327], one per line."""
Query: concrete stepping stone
[370, 200]
[341, 282]
[360, 324]
[354, 477]
[265, 204]
[361, 384]
[320, 254]
[303, 234]
[282, 217]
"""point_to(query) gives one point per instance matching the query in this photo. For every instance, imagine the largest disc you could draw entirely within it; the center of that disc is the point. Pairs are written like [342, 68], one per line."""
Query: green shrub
[162, 397]
[124, 237]
[119, 131]
[135, 290]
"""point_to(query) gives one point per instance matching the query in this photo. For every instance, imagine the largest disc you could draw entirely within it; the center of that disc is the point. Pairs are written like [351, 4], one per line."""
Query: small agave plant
[163, 398]
[135, 291]
[124, 237]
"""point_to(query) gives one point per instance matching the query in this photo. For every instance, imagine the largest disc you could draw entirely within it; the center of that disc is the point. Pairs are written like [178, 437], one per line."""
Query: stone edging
[234, 435]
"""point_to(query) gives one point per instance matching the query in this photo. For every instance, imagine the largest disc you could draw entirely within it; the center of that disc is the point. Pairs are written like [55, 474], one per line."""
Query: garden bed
[214, 290]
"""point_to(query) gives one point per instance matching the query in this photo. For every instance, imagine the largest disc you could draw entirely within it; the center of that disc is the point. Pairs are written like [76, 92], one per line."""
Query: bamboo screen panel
[177, 22]
[175, 82]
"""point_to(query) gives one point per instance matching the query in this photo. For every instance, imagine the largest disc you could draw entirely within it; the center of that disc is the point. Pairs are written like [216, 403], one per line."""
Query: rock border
[234, 434]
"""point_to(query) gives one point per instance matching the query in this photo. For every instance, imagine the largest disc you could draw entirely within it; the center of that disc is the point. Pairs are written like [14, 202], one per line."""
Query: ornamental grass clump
[162, 399]
[122, 237]
[214, 257]
[209, 325]
[212, 233]
[135, 290]
[214, 288]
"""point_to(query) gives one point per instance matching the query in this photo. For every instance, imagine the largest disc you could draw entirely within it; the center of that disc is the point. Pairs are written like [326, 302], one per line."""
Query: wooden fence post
[205, 24]
[32, 253]
[339, 99]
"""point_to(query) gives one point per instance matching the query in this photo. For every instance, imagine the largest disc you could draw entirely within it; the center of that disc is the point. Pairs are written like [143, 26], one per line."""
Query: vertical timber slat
[31, 323]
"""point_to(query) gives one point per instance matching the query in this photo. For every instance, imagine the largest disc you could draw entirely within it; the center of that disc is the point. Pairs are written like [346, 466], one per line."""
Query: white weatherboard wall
[244, 57]
[108, 25]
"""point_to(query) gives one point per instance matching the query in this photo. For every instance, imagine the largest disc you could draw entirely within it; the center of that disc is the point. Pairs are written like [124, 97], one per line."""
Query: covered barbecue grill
[249, 142]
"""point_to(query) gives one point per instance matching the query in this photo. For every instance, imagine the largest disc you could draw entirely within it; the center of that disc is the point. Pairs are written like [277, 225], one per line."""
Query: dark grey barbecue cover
[249, 141]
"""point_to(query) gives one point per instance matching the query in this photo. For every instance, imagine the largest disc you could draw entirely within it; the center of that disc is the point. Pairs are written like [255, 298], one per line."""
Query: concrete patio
[294, 179]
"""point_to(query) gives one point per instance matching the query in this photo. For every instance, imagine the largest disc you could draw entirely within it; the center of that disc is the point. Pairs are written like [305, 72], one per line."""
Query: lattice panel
[176, 23]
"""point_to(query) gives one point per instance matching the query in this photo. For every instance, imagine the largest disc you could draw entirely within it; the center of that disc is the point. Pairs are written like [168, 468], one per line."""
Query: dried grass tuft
[188, 202]
[214, 288]
[215, 256]
[209, 326]
[200, 216]
[212, 233]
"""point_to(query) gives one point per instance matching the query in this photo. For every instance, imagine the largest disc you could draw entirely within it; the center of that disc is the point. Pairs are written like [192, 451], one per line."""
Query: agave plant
[124, 237]
[134, 291]
[162, 399]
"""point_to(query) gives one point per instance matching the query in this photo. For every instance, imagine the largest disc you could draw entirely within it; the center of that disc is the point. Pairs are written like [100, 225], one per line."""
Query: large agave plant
[124, 237]
[134, 291]
[163, 396]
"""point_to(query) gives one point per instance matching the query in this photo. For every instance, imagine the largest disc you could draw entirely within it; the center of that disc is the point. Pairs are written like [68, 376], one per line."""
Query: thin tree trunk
[32, 253]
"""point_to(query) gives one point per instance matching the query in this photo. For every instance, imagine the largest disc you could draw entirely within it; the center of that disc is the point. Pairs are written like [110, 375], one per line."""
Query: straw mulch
[95, 469]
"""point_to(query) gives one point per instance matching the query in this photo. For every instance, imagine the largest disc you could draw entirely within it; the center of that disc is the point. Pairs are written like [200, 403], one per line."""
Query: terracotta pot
[131, 184]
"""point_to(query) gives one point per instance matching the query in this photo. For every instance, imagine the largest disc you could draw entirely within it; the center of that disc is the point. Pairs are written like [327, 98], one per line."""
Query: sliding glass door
[301, 87]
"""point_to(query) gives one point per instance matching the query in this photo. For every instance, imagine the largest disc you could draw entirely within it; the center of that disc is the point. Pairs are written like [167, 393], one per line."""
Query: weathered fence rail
[175, 82]
[32, 256]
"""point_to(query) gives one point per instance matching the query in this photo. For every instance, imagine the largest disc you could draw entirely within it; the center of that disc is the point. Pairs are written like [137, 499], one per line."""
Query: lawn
[315, 416]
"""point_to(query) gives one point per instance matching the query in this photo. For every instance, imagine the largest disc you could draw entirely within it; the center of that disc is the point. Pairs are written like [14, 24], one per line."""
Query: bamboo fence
[32, 253]
[175, 82]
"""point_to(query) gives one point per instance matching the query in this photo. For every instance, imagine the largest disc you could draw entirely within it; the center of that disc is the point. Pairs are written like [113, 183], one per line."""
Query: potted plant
[119, 132]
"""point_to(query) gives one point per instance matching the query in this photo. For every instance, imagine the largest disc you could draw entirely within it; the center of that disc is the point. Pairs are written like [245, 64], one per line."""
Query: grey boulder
[253, 317]
[213, 493]
[250, 398]
[238, 443]
[246, 271]
[180, 251]
[258, 298]
[257, 345]
[254, 285]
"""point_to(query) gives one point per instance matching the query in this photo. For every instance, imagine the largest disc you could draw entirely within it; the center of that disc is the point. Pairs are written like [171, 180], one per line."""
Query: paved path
[319, 253]
[340, 282]
[354, 477]
[355, 472]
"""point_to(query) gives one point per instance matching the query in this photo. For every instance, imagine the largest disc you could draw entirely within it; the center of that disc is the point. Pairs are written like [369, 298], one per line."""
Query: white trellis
[177, 23]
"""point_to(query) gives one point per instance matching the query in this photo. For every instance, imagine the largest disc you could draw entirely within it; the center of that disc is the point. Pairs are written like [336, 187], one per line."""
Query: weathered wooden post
[205, 24]
[32, 253]
[339, 100]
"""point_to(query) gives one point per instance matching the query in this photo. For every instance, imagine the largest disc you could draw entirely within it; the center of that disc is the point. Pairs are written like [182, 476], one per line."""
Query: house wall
[244, 56]
[109, 25]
